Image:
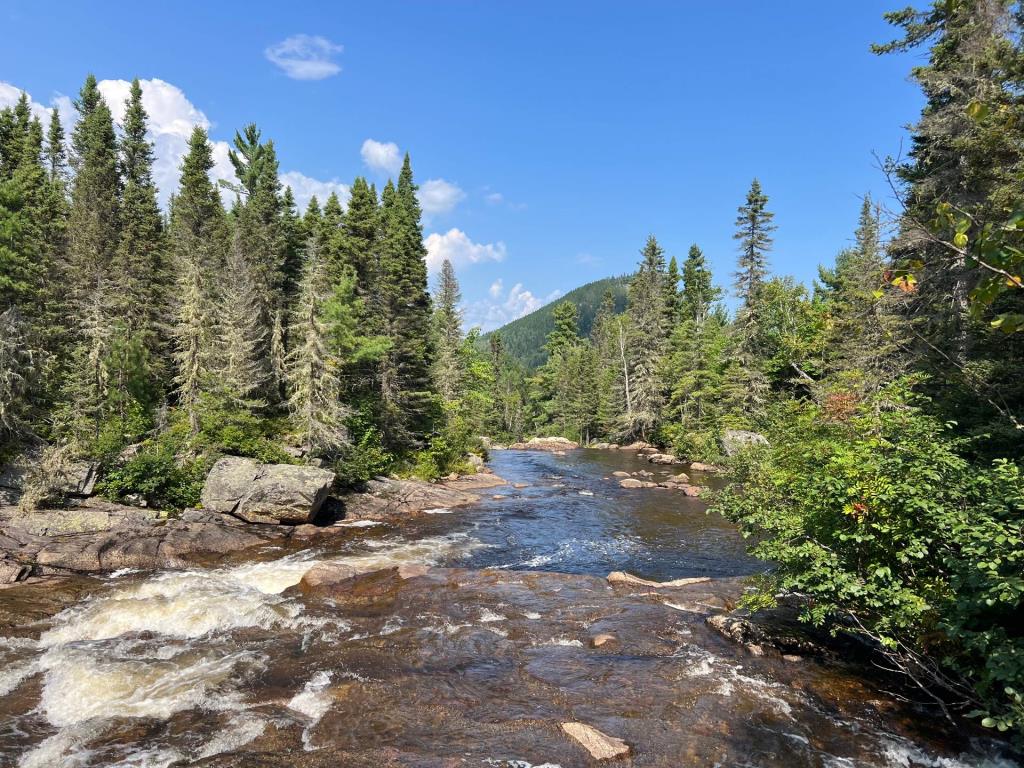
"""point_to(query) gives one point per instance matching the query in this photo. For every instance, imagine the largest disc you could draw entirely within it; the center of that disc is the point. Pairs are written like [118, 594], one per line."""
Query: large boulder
[736, 440]
[266, 493]
[63, 479]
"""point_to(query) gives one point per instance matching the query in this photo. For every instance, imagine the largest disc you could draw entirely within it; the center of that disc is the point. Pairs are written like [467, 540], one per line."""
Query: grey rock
[266, 493]
[735, 440]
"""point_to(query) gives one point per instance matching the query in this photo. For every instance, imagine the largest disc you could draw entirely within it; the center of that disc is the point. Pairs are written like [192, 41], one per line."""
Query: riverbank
[99, 536]
[491, 636]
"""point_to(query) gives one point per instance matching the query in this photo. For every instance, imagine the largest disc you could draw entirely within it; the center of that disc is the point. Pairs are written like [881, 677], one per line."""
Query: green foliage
[873, 515]
[159, 476]
[226, 428]
[365, 457]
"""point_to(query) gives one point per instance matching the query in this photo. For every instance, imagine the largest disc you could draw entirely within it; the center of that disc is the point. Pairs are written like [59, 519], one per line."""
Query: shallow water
[475, 663]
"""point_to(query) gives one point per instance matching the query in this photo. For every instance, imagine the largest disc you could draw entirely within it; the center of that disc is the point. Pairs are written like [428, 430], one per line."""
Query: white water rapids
[133, 650]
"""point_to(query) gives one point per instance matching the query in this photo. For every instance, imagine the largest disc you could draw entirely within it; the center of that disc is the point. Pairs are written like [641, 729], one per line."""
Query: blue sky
[550, 137]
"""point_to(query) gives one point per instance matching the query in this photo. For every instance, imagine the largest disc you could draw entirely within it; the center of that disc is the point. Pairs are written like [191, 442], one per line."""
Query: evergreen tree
[197, 236]
[753, 230]
[241, 373]
[314, 383]
[448, 364]
[139, 271]
[260, 224]
[647, 343]
[94, 234]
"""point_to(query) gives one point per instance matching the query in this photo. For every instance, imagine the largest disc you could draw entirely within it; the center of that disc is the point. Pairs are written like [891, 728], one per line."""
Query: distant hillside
[524, 338]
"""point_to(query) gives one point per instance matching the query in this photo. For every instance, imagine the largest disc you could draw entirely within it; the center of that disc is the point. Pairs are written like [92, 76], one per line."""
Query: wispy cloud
[305, 57]
[503, 308]
[381, 156]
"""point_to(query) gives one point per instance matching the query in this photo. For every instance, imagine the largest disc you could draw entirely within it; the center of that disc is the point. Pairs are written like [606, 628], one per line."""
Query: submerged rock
[266, 493]
[601, 746]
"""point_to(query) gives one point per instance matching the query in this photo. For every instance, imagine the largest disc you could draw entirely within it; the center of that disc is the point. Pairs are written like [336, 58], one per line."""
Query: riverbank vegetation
[890, 497]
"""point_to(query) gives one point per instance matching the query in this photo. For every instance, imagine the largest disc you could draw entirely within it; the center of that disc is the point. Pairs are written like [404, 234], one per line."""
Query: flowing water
[474, 663]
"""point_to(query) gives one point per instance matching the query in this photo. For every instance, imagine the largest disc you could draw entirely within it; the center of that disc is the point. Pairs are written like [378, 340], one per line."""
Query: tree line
[207, 328]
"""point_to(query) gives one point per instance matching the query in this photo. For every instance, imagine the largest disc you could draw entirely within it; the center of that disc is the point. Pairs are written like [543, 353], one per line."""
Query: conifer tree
[410, 307]
[197, 235]
[753, 230]
[314, 382]
[139, 270]
[649, 328]
[94, 233]
[241, 373]
[260, 223]
[448, 364]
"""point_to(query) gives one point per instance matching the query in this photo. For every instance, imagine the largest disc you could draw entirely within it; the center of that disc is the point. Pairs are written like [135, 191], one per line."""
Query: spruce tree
[261, 227]
[448, 364]
[410, 308]
[94, 234]
[753, 230]
[649, 328]
[314, 382]
[241, 372]
[140, 273]
[197, 236]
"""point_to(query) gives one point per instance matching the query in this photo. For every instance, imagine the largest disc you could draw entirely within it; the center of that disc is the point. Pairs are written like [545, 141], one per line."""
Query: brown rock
[663, 458]
[697, 466]
[620, 473]
[603, 639]
[631, 482]
[601, 746]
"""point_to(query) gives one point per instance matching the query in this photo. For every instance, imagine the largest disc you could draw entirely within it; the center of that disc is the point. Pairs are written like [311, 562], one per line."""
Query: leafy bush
[693, 445]
[157, 474]
[875, 518]
[365, 459]
[224, 428]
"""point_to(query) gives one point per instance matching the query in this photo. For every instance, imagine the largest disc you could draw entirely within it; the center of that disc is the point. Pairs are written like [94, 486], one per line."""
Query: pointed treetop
[89, 97]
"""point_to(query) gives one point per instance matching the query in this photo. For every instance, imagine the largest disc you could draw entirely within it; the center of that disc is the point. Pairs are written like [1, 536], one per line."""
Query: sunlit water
[231, 666]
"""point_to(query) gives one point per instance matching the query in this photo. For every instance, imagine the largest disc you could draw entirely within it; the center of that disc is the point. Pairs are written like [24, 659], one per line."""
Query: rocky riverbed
[483, 635]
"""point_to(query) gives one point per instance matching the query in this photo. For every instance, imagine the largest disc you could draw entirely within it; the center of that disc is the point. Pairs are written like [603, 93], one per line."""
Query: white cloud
[439, 196]
[305, 57]
[172, 118]
[305, 187]
[381, 156]
[518, 302]
[10, 95]
[456, 246]
[494, 198]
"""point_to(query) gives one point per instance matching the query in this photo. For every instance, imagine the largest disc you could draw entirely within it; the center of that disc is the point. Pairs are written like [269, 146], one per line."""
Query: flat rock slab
[621, 577]
[600, 745]
[387, 498]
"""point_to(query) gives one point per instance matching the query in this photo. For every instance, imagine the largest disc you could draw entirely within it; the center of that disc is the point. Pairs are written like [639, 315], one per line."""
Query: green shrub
[231, 429]
[157, 474]
[874, 517]
[365, 459]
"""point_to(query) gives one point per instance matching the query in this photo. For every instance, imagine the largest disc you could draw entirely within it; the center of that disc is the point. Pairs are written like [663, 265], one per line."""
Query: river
[473, 663]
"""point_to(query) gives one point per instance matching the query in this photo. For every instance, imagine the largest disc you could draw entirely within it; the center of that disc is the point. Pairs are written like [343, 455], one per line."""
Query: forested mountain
[524, 337]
